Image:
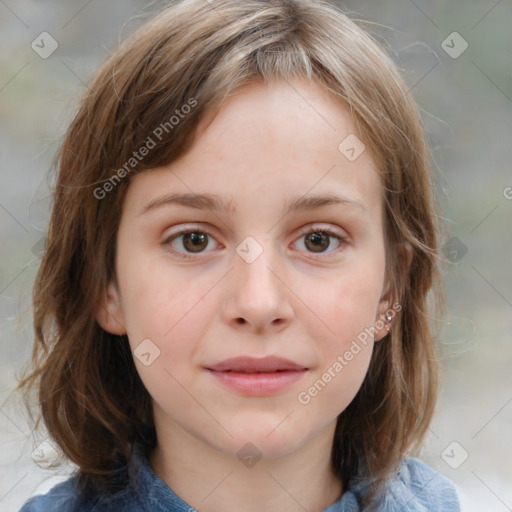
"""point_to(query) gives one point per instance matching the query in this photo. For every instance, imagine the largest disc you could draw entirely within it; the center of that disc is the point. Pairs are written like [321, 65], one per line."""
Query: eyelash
[314, 229]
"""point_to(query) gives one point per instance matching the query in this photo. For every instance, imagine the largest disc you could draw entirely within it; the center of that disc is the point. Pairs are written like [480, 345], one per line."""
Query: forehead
[282, 112]
[272, 141]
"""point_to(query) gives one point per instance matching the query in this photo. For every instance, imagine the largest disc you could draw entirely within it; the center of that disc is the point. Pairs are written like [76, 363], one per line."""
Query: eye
[191, 241]
[320, 241]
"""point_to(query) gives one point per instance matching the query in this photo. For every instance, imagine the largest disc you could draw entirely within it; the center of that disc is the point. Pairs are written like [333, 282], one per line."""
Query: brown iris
[317, 242]
[195, 241]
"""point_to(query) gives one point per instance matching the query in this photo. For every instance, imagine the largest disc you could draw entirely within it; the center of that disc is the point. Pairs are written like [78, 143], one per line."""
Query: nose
[258, 300]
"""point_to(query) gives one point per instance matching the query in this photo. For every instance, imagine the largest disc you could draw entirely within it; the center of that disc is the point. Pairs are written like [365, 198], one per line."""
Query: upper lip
[252, 364]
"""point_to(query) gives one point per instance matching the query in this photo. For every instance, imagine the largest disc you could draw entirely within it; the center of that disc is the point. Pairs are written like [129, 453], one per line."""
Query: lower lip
[258, 384]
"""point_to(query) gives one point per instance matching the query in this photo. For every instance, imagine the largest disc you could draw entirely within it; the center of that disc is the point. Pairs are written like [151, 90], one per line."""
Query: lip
[249, 364]
[257, 376]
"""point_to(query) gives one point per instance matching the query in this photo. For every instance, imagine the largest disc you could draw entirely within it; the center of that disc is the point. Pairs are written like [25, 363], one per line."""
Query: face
[263, 240]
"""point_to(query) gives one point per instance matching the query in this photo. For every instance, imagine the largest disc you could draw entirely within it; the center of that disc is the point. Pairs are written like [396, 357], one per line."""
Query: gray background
[467, 107]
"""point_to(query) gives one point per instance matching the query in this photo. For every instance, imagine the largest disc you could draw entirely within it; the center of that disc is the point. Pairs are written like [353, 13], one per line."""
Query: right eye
[188, 242]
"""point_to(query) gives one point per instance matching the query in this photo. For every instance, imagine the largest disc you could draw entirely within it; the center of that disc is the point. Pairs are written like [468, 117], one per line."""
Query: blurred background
[457, 59]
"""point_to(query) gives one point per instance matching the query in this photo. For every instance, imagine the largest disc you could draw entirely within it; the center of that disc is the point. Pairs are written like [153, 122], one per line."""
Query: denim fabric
[416, 488]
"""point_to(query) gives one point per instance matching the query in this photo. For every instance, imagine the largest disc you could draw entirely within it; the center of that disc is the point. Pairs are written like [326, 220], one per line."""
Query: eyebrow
[215, 203]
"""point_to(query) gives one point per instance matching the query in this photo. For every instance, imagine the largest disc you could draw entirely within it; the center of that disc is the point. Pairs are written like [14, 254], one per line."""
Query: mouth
[257, 376]
[247, 364]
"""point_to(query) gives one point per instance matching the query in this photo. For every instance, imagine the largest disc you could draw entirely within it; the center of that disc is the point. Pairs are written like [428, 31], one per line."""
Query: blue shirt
[416, 488]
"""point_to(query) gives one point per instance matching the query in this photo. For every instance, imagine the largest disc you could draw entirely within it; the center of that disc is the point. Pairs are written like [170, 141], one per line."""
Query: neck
[213, 481]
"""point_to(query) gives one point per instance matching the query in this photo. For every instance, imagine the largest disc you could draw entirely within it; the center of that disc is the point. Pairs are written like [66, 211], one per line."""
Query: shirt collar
[155, 495]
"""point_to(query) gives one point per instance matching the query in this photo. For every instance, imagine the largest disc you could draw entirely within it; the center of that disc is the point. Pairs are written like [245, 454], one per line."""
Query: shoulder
[421, 488]
[415, 487]
[65, 497]
[62, 497]
[142, 491]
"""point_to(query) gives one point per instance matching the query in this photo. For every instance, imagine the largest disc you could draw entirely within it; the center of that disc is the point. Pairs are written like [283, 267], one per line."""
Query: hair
[92, 400]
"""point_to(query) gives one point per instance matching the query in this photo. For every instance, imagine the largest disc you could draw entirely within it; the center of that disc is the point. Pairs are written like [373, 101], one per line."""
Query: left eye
[190, 241]
[320, 241]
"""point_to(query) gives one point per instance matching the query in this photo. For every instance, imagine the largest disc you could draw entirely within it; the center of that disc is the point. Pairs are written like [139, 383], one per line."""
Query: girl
[231, 310]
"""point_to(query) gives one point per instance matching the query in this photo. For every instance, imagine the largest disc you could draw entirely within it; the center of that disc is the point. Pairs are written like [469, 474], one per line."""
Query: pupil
[195, 242]
[319, 240]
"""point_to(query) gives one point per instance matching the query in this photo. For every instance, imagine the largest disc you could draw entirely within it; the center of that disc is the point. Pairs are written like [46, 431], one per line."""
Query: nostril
[240, 321]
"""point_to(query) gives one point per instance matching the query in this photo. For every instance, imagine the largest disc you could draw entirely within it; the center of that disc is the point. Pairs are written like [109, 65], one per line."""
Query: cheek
[338, 382]
[159, 298]
[175, 323]
[348, 303]
[169, 308]
[348, 307]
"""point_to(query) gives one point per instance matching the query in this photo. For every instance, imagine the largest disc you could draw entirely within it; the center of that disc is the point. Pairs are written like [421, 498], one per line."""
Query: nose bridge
[254, 277]
[257, 295]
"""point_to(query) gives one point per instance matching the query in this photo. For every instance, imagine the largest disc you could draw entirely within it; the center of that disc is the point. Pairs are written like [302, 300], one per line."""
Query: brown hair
[196, 53]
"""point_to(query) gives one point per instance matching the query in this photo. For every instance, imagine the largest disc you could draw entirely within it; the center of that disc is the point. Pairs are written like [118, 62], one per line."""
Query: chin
[265, 440]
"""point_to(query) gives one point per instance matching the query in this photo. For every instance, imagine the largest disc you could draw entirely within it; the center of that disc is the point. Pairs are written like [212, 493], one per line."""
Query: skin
[266, 145]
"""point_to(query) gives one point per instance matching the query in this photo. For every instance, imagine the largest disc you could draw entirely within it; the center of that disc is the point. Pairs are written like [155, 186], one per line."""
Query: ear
[109, 313]
[389, 305]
